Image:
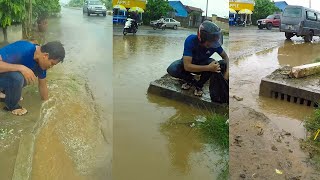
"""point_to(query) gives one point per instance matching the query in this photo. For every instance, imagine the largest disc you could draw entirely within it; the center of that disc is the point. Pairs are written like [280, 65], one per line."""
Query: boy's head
[209, 35]
[51, 54]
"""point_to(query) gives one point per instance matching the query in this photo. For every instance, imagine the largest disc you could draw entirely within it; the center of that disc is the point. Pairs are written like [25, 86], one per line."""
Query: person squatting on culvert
[196, 58]
[20, 63]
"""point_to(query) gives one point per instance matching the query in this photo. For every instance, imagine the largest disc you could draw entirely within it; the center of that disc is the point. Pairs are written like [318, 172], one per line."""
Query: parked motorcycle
[130, 27]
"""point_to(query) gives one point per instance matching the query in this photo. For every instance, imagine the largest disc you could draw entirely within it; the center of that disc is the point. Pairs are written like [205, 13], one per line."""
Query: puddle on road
[152, 138]
[248, 72]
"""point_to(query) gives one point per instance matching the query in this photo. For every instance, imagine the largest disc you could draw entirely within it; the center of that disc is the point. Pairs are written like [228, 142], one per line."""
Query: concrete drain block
[304, 91]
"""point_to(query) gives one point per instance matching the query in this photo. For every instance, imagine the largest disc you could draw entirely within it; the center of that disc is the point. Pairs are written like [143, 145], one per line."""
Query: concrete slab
[303, 90]
[170, 88]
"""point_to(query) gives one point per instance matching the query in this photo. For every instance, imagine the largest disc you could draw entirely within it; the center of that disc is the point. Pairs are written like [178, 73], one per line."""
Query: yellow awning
[232, 11]
[245, 11]
[119, 7]
[140, 10]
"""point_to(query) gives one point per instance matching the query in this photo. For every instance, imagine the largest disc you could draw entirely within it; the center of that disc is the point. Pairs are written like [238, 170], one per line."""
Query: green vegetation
[215, 131]
[262, 9]
[12, 11]
[155, 9]
[25, 12]
[312, 144]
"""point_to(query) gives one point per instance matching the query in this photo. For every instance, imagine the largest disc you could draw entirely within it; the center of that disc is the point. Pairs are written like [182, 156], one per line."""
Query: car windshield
[95, 3]
[270, 17]
[292, 12]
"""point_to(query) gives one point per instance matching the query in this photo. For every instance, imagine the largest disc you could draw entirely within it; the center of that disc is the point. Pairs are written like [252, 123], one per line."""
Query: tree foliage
[11, 11]
[45, 8]
[262, 9]
[155, 9]
[76, 3]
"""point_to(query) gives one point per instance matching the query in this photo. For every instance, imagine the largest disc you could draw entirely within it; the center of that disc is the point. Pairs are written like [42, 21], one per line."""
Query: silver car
[170, 23]
[94, 7]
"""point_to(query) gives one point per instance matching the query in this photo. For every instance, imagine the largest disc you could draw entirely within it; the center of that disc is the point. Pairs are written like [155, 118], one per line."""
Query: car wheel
[88, 13]
[308, 38]
[164, 27]
[175, 27]
[104, 14]
[154, 27]
[125, 32]
[260, 27]
[269, 26]
[288, 35]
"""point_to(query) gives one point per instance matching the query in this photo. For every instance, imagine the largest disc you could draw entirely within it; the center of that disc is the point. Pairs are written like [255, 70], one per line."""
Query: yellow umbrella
[140, 10]
[232, 11]
[120, 7]
[245, 11]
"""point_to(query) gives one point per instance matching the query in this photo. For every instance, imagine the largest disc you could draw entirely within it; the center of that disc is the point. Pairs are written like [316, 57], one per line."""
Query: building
[194, 16]
[239, 5]
[188, 16]
[281, 5]
[119, 16]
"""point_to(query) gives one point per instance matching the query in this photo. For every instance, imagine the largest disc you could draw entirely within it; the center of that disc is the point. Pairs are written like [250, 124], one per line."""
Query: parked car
[269, 22]
[94, 7]
[301, 22]
[170, 23]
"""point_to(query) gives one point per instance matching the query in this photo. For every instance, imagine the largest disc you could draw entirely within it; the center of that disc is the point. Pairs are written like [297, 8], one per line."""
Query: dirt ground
[259, 149]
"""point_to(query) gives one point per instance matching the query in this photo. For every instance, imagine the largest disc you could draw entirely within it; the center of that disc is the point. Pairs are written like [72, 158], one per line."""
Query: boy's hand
[28, 74]
[214, 67]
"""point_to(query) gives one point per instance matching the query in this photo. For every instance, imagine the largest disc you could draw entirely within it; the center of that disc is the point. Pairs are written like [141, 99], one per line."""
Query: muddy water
[152, 136]
[73, 130]
[247, 73]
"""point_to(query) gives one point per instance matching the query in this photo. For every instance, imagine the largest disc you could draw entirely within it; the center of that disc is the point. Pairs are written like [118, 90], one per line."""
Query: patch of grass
[215, 130]
[317, 60]
[312, 145]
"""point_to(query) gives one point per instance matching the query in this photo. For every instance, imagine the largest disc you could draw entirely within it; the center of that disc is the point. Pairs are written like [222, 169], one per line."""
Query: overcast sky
[315, 4]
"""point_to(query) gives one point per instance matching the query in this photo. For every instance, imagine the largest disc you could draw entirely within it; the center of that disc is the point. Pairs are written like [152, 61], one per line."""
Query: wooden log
[305, 70]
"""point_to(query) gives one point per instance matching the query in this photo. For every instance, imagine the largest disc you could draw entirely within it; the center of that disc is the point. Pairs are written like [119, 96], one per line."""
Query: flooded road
[152, 136]
[247, 73]
[71, 132]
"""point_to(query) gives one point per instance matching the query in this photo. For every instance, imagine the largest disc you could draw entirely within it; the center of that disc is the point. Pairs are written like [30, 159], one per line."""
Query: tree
[262, 9]
[12, 11]
[76, 3]
[155, 9]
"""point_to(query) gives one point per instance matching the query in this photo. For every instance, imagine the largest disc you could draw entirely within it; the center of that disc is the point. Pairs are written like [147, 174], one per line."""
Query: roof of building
[281, 4]
[179, 8]
[191, 8]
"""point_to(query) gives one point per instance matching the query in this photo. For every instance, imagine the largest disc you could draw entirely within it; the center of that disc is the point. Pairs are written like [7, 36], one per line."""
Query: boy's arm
[43, 89]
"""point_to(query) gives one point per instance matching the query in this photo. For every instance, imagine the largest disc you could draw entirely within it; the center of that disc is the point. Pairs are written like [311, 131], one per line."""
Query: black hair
[55, 50]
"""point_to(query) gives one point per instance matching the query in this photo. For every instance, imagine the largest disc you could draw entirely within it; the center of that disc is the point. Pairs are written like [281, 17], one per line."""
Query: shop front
[240, 13]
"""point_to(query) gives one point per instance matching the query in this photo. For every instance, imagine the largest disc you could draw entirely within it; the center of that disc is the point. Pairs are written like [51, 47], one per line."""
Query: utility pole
[207, 11]
[309, 3]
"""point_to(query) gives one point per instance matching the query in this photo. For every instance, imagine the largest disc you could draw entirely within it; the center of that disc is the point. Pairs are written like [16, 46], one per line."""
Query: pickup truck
[269, 22]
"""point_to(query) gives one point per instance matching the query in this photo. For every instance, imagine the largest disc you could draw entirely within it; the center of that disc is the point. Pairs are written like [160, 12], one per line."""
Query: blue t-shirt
[198, 53]
[22, 52]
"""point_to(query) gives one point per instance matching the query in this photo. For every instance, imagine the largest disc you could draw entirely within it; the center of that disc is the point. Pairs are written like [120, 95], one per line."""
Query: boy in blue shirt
[196, 58]
[20, 63]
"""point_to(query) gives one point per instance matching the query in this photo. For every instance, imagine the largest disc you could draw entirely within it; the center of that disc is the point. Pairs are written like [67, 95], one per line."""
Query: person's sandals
[198, 92]
[186, 86]
[19, 111]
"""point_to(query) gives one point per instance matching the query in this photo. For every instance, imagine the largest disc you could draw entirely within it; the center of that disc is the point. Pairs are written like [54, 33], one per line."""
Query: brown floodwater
[73, 130]
[247, 73]
[153, 139]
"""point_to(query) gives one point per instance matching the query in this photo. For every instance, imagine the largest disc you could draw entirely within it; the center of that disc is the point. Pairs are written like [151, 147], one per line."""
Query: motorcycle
[159, 25]
[130, 27]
